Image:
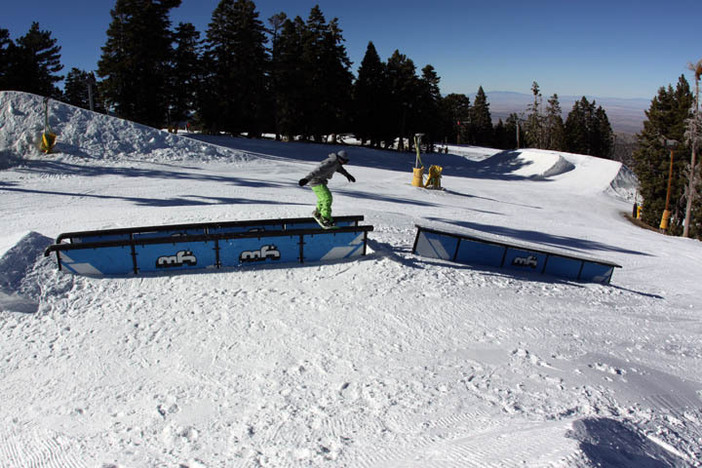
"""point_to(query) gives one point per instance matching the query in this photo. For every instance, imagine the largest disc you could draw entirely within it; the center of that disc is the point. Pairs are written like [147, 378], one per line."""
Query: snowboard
[320, 221]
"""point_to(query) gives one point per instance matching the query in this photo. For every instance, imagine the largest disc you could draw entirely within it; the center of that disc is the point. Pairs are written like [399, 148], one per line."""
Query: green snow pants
[324, 200]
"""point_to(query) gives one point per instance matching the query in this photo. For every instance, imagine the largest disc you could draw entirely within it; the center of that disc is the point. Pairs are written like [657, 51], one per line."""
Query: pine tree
[238, 60]
[665, 122]
[588, 131]
[403, 91]
[370, 97]
[428, 117]
[135, 60]
[602, 136]
[577, 131]
[80, 86]
[290, 79]
[75, 88]
[277, 23]
[5, 48]
[32, 63]
[554, 126]
[456, 108]
[535, 123]
[330, 80]
[501, 138]
[186, 76]
[481, 121]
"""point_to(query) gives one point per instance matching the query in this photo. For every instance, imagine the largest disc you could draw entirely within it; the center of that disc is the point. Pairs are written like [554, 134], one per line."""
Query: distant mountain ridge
[625, 115]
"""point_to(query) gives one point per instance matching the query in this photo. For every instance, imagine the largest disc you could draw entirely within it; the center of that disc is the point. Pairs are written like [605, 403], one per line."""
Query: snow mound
[16, 261]
[625, 184]
[90, 135]
[529, 163]
[561, 166]
[17, 292]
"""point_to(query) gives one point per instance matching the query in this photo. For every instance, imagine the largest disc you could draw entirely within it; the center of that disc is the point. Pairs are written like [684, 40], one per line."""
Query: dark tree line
[31, 63]
[391, 102]
[292, 78]
[310, 77]
[585, 131]
[135, 65]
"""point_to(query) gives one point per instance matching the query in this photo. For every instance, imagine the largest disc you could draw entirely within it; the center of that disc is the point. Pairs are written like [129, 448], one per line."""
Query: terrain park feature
[127, 251]
[482, 250]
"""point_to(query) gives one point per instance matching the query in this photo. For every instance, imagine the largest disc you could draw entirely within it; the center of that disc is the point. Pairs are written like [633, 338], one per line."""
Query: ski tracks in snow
[33, 447]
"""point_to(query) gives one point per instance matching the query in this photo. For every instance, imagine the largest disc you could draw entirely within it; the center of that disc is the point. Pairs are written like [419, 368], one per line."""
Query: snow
[392, 360]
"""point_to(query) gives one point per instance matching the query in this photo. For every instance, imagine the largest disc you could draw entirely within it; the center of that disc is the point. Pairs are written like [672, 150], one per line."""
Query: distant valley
[625, 115]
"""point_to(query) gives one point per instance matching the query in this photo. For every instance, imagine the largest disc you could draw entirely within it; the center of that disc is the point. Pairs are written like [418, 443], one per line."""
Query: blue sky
[616, 48]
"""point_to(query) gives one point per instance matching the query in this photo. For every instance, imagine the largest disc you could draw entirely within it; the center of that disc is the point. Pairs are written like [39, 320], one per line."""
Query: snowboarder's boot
[324, 223]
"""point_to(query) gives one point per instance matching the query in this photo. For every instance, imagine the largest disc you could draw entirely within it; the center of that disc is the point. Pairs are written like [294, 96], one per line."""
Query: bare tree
[693, 135]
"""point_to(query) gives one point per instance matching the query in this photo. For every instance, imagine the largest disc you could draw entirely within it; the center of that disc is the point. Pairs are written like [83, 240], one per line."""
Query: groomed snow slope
[392, 360]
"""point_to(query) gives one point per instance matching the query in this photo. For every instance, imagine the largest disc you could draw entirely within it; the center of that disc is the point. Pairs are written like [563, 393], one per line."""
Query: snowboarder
[318, 178]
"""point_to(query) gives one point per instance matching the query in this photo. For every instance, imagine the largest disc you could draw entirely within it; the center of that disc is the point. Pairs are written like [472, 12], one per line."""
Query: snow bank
[90, 135]
[19, 291]
[15, 262]
[625, 185]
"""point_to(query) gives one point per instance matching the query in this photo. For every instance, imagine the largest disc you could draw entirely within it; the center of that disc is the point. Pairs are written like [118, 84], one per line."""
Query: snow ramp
[527, 163]
[576, 173]
[177, 248]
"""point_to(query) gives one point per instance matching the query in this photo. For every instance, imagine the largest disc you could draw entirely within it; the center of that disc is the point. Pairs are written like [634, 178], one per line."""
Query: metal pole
[517, 133]
[666, 212]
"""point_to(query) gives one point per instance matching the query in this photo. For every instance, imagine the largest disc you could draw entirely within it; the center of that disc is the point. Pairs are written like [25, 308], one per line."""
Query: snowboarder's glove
[303, 182]
[351, 178]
